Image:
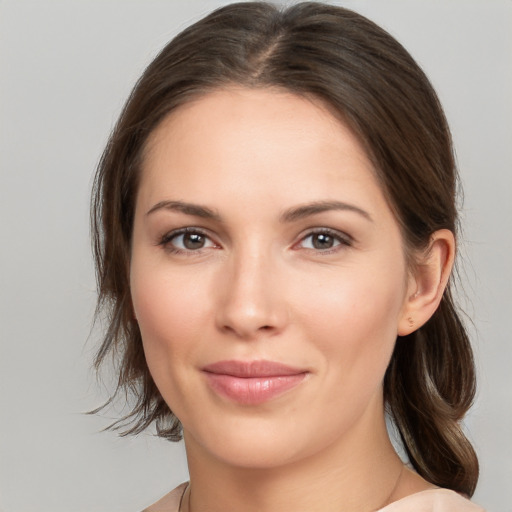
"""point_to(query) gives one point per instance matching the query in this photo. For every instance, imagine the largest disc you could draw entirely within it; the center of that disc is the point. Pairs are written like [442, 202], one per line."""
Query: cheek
[353, 320]
[171, 311]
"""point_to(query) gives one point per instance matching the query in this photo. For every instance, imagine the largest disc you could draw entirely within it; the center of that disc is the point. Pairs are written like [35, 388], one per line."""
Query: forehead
[252, 142]
[248, 109]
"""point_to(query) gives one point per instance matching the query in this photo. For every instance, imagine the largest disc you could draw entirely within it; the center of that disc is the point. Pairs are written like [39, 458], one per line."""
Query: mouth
[252, 382]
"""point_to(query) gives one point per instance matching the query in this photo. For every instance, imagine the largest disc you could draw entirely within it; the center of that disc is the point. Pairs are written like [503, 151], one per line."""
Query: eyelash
[343, 240]
[166, 241]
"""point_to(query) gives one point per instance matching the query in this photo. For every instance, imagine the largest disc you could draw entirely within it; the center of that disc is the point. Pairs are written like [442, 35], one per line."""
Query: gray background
[66, 68]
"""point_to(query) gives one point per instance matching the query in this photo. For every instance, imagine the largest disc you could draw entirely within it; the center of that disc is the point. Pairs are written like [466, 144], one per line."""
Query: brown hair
[369, 80]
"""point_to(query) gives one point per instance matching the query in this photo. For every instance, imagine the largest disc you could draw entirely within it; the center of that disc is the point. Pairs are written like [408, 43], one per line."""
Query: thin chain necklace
[395, 487]
[181, 499]
[184, 505]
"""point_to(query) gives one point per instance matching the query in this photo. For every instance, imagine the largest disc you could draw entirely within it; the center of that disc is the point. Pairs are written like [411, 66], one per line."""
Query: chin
[264, 443]
[250, 443]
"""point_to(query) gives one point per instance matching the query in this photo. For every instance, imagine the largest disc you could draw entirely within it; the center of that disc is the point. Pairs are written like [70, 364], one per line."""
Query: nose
[251, 300]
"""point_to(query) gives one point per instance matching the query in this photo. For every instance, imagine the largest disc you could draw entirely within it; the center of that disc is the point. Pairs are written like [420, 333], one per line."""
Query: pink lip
[252, 382]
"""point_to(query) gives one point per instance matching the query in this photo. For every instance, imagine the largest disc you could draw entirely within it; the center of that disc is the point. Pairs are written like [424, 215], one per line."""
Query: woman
[274, 222]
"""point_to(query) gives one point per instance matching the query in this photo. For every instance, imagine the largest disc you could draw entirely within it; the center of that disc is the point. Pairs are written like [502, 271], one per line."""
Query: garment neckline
[436, 490]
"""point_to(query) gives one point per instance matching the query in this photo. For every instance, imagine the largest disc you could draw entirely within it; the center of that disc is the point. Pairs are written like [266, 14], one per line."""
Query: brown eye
[193, 241]
[322, 241]
[188, 240]
[325, 239]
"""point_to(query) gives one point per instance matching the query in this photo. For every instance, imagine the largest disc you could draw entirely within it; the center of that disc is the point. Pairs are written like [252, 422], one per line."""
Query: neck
[359, 473]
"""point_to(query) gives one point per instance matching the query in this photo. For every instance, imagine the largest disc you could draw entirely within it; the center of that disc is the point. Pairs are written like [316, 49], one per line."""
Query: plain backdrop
[66, 68]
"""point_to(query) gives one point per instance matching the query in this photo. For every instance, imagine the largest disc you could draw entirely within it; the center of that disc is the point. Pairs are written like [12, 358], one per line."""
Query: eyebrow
[300, 212]
[290, 215]
[188, 208]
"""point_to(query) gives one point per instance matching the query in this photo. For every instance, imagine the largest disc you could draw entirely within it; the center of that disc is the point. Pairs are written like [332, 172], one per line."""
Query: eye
[187, 240]
[324, 240]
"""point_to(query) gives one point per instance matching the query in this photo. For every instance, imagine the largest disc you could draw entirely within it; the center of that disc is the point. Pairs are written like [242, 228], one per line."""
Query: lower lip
[253, 390]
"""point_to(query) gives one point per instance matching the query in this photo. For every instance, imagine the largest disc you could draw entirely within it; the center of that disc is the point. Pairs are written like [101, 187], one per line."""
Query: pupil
[193, 241]
[322, 241]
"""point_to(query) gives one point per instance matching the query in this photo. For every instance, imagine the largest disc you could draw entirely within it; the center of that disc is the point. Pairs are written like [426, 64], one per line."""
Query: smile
[254, 382]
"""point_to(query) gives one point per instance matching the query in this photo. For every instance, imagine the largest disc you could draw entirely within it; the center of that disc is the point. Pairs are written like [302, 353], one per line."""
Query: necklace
[181, 499]
[184, 505]
[393, 490]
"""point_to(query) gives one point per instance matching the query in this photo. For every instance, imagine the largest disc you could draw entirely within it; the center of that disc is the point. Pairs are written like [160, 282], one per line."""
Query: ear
[427, 282]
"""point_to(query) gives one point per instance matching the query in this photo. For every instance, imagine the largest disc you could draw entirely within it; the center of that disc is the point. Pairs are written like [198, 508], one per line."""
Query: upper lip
[252, 369]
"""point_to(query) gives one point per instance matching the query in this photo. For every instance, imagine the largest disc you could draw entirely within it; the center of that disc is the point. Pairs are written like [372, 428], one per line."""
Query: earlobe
[427, 282]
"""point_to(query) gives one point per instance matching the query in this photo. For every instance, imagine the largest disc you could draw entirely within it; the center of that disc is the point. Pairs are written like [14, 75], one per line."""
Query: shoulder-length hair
[371, 82]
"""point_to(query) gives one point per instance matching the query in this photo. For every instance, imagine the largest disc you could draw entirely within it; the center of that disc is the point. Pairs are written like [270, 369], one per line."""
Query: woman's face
[268, 277]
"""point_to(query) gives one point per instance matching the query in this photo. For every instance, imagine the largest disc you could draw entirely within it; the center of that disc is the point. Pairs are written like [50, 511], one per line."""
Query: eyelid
[165, 240]
[345, 240]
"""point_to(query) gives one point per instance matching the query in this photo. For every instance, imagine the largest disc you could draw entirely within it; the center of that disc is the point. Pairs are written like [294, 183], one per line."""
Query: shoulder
[434, 500]
[170, 502]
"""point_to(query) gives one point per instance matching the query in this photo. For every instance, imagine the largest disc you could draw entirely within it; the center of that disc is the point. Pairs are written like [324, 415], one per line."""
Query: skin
[261, 287]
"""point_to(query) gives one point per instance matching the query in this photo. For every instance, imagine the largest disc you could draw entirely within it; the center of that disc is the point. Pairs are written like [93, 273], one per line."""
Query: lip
[252, 382]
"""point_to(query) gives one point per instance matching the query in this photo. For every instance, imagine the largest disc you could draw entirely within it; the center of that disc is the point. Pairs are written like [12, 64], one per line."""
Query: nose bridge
[251, 302]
